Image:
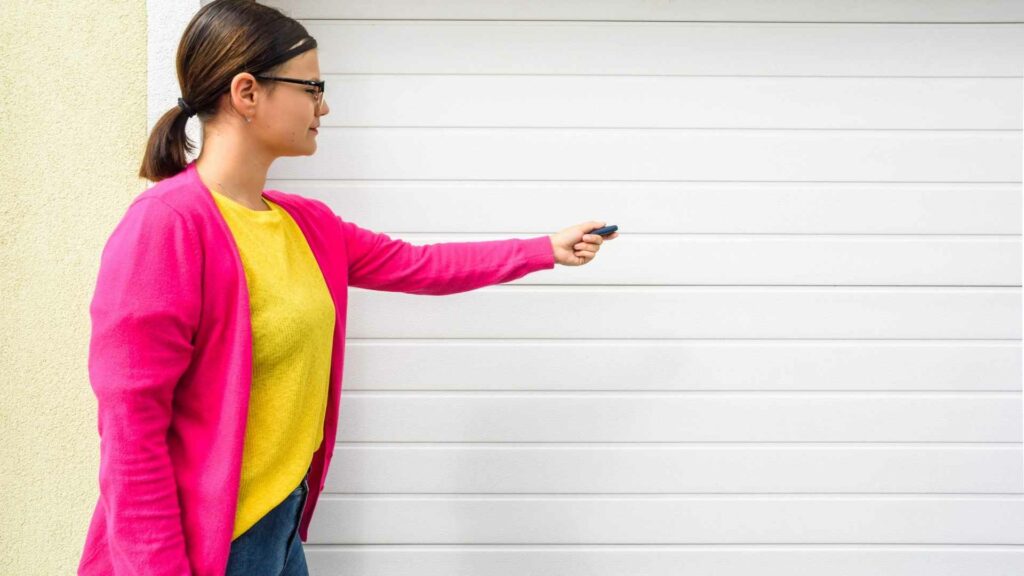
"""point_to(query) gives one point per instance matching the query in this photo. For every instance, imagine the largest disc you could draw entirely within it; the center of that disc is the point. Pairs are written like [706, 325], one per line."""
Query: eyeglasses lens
[320, 99]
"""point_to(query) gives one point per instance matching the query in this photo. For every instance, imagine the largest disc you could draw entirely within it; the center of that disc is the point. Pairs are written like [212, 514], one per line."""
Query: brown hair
[224, 38]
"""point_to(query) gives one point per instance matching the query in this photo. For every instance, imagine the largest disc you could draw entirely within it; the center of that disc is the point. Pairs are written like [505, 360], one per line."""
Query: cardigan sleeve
[144, 313]
[378, 262]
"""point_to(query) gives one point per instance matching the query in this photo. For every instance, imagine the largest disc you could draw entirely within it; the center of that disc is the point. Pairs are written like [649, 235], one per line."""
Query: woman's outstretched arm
[379, 262]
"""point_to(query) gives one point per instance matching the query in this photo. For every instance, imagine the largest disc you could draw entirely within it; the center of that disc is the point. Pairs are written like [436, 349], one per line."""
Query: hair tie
[188, 109]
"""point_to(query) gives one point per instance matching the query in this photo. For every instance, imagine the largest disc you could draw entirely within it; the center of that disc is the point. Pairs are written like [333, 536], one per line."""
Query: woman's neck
[230, 167]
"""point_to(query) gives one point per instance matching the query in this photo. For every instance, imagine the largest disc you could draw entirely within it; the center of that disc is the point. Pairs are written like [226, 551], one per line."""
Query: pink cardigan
[170, 362]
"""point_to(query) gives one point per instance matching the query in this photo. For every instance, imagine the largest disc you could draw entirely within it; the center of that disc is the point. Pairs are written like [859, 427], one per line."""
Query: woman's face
[291, 119]
[283, 122]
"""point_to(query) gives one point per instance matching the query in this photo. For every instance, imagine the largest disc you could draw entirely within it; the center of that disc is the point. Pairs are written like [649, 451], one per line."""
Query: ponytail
[168, 146]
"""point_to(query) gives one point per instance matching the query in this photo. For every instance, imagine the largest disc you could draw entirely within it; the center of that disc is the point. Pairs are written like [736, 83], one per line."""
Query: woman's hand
[574, 247]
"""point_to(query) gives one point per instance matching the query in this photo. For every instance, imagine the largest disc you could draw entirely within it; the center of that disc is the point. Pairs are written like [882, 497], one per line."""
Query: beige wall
[72, 131]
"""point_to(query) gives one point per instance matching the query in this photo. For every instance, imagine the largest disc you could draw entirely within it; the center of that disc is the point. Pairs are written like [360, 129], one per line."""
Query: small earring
[248, 120]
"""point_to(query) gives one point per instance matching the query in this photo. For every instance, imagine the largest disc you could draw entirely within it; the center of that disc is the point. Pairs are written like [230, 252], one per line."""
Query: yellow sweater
[292, 330]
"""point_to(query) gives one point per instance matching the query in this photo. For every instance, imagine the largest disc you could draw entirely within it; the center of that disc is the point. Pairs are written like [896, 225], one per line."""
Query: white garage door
[802, 356]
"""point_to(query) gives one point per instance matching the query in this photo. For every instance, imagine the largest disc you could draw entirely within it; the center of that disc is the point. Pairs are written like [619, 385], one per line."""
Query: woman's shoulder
[182, 193]
[312, 208]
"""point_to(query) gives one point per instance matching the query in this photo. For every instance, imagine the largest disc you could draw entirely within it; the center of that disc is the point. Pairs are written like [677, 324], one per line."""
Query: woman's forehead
[305, 65]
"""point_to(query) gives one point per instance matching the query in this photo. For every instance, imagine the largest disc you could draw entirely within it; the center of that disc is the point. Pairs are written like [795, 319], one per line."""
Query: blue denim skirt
[272, 546]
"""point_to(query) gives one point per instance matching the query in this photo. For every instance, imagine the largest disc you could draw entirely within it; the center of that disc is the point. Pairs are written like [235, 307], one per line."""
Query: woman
[218, 318]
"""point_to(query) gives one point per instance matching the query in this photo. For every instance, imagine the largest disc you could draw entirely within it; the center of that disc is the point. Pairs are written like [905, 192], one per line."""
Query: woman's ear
[245, 91]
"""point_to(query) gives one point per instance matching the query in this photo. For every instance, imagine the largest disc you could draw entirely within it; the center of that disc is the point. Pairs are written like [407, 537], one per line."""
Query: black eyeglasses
[318, 94]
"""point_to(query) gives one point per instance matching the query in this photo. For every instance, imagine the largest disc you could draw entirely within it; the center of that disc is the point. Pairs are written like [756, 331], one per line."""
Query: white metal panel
[630, 154]
[660, 48]
[670, 519]
[668, 312]
[665, 467]
[712, 102]
[665, 560]
[647, 11]
[805, 360]
[681, 417]
[610, 363]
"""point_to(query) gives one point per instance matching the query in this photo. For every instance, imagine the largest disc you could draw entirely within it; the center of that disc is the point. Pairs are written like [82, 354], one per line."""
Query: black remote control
[604, 231]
